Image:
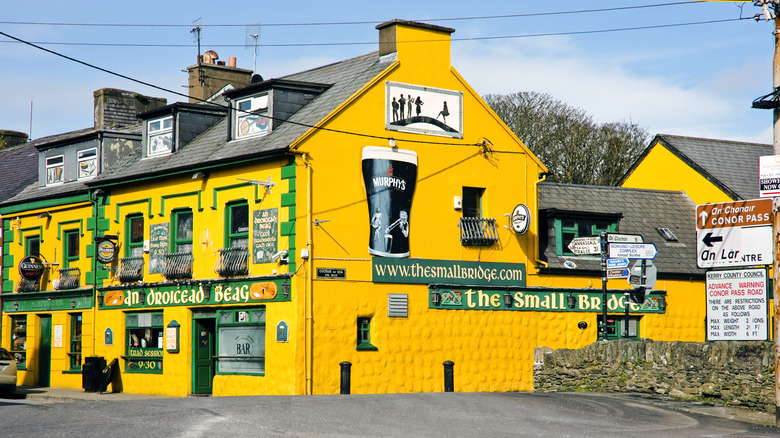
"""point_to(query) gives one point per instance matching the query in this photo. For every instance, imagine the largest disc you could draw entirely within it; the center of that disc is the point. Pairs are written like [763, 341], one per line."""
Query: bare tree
[574, 147]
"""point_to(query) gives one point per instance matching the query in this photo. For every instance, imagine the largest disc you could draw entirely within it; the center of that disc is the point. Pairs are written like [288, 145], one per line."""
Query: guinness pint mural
[423, 110]
[389, 176]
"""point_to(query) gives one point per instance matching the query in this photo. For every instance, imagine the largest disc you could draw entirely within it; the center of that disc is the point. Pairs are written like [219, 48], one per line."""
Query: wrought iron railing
[178, 265]
[131, 269]
[25, 285]
[69, 278]
[477, 231]
[232, 261]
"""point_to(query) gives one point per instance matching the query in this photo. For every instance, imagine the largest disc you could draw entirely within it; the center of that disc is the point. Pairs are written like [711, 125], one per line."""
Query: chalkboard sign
[158, 247]
[264, 235]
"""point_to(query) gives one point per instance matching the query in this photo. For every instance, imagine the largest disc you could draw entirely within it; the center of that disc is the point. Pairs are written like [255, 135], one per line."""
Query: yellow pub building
[372, 216]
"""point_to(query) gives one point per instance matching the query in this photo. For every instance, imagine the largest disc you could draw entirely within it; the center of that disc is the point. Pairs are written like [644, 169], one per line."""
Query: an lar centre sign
[731, 234]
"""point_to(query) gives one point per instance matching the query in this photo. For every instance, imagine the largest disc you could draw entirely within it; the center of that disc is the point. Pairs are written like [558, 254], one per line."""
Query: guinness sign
[31, 268]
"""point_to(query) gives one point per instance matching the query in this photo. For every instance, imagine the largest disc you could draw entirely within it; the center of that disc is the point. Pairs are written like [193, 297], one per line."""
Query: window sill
[71, 372]
[366, 347]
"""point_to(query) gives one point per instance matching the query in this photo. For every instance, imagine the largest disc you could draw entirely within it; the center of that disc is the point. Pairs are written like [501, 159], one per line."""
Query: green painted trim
[21, 232]
[8, 286]
[291, 212]
[8, 261]
[216, 191]
[45, 301]
[128, 203]
[80, 222]
[288, 171]
[287, 228]
[89, 277]
[164, 198]
[291, 186]
[46, 203]
[71, 372]
[103, 225]
[288, 199]
[366, 346]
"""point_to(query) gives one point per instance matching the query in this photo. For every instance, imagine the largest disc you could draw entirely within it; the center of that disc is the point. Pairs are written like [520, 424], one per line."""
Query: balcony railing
[178, 266]
[26, 285]
[131, 269]
[69, 278]
[232, 262]
[477, 231]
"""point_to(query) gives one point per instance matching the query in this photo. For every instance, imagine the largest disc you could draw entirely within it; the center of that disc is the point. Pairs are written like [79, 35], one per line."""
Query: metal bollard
[345, 376]
[449, 379]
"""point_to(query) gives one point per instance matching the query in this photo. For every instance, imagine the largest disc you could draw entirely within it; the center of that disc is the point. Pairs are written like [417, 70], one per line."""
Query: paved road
[396, 415]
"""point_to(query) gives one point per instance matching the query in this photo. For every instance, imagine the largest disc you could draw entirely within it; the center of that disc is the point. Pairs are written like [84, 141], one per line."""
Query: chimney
[208, 77]
[415, 39]
[10, 138]
[119, 108]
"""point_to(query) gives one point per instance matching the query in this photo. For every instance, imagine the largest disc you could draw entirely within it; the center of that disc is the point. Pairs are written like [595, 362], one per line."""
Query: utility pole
[776, 223]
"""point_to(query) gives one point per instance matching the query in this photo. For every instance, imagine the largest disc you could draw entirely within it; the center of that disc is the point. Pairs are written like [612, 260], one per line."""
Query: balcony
[477, 231]
[131, 269]
[26, 285]
[69, 279]
[178, 266]
[232, 262]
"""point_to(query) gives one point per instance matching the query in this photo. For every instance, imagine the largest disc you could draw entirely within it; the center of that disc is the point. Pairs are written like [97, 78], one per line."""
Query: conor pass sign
[734, 234]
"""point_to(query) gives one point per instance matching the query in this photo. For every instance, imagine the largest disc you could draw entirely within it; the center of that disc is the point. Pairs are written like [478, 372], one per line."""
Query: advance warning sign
[737, 307]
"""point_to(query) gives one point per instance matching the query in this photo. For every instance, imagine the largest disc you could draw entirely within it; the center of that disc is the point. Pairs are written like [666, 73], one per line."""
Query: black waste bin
[92, 372]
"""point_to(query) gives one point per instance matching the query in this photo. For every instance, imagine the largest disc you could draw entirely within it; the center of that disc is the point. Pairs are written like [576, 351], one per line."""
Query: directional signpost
[617, 263]
[646, 251]
[730, 234]
[585, 245]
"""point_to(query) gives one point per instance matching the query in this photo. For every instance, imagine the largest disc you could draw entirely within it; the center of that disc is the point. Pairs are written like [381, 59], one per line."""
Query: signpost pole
[604, 251]
[776, 223]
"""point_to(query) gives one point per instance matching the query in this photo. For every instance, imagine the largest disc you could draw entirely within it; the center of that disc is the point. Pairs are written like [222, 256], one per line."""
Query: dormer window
[251, 117]
[87, 163]
[159, 137]
[55, 169]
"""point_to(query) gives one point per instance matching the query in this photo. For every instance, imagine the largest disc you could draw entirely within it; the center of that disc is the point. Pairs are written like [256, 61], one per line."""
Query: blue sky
[695, 80]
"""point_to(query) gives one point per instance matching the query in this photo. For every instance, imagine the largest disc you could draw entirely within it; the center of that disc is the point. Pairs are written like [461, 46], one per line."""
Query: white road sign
[646, 251]
[585, 245]
[732, 234]
[737, 305]
[624, 238]
[617, 263]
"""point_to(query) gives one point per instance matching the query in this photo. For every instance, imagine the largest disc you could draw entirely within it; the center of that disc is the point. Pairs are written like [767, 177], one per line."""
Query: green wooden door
[202, 355]
[44, 353]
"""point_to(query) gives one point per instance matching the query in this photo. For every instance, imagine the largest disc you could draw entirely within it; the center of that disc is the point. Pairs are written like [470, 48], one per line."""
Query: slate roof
[642, 212]
[18, 169]
[730, 165]
[212, 148]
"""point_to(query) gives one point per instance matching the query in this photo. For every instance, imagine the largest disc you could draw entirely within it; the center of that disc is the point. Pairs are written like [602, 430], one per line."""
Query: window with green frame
[134, 230]
[144, 342]
[237, 225]
[364, 334]
[75, 342]
[569, 227]
[70, 250]
[182, 231]
[32, 245]
[241, 341]
[616, 326]
[19, 340]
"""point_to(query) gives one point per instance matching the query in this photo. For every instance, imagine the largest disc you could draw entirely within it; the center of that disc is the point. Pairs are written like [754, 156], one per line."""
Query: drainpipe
[93, 199]
[542, 177]
[309, 288]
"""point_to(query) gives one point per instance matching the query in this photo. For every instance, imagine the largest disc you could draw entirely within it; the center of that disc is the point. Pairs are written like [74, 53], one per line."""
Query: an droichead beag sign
[730, 234]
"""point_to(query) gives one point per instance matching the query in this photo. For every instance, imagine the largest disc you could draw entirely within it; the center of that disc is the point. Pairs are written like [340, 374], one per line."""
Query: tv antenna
[195, 31]
[253, 40]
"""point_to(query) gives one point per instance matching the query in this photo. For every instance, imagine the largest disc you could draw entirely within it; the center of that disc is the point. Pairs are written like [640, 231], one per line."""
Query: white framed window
[55, 169]
[251, 117]
[87, 162]
[159, 138]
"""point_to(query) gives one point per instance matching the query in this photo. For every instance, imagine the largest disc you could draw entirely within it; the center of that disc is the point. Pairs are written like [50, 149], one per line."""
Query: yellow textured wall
[662, 170]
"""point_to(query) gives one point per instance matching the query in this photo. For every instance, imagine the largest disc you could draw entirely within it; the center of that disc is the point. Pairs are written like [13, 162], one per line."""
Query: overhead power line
[359, 43]
[340, 23]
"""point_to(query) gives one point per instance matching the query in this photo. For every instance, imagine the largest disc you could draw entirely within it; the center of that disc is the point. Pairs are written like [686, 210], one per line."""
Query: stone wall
[732, 373]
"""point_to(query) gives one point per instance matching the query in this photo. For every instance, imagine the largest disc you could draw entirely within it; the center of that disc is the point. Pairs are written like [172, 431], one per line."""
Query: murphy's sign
[556, 300]
[241, 292]
[424, 271]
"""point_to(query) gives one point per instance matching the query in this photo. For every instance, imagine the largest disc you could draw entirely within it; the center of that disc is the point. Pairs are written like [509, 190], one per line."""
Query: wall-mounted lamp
[100, 298]
[317, 222]
[286, 289]
[662, 303]
[199, 175]
[16, 306]
[392, 142]
[73, 303]
[142, 297]
[435, 297]
[571, 301]
[44, 215]
[508, 299]
[206, 291]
